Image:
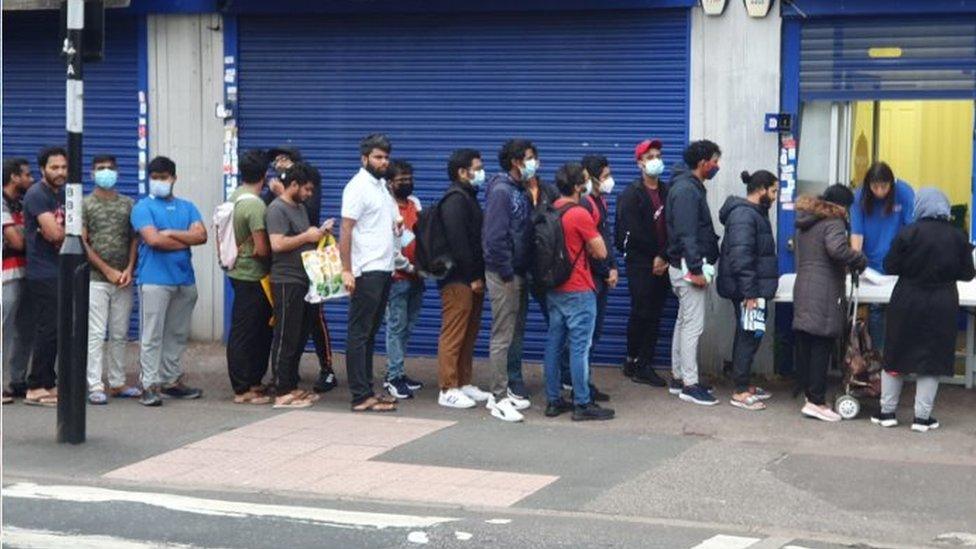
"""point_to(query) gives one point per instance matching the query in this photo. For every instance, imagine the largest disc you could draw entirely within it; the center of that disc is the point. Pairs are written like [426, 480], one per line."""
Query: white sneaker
[517, 401]
[454, 398]
[822, 413]
[504, 410]
[475, 393]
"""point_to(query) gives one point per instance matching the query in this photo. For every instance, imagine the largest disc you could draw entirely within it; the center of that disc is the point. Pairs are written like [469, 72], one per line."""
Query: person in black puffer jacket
[748, 274]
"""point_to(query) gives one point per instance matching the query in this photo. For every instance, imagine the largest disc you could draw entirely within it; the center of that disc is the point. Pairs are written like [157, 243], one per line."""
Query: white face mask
[479, 178]
[606, 186]
[654, 167]
[588, 188]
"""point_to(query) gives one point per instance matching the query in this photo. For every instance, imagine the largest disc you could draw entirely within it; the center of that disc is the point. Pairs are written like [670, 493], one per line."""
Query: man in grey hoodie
[692, 253]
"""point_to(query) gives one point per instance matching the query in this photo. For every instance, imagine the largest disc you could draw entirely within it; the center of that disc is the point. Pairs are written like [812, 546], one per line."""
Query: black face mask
[403, 191]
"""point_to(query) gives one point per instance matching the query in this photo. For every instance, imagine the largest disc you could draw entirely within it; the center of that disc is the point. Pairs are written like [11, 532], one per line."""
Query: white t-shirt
[367, 201]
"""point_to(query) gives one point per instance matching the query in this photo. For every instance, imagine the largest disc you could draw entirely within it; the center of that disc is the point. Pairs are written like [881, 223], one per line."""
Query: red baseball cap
[645, 146]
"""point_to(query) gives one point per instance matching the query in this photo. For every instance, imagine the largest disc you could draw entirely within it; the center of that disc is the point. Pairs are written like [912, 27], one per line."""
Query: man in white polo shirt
[366, 244]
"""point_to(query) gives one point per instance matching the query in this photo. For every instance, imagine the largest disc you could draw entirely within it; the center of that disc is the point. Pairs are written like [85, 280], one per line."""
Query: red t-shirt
[578, 228]
[409, 211]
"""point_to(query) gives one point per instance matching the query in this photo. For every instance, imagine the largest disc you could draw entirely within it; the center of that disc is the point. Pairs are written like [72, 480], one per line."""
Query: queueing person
[367, 248]
[463, 288]
[111, 248]
[748, 275]
[692, 251]
[928, 257]
[290, 234]
[573, 304]
[507, 243]
[407, 290]
[249, 341]
[17, 324]
[44, 232]
[641, 235]
[169, 227]
[882, 206]
[823, 258]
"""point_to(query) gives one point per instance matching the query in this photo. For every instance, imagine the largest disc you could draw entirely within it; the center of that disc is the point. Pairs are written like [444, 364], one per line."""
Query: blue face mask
[479, 178]
[529, 170]
[406, 238]
[712, 173]
[160, 188]
[106, 179]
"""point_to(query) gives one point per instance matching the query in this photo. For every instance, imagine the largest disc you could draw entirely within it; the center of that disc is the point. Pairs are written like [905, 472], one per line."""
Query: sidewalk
[660, 459]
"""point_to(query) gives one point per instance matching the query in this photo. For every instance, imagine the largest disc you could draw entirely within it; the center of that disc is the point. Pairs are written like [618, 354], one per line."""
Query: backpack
[432, 255]
[551, 264]
[223, 220]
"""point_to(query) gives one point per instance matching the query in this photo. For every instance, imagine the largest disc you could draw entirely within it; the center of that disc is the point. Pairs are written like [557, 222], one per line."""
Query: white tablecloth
[869, 292]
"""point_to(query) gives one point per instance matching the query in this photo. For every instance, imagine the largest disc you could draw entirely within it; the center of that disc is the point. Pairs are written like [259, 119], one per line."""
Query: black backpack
[432, 256]
[551, 264]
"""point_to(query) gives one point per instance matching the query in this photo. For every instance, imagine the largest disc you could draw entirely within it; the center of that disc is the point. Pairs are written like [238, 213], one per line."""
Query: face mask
[106, 179]
[529, 170]
[654, 167]
[712, 173]
[403, 191]
[160, 188]
[606, 186]
[588, 188]
[479, 178]
[406, 238]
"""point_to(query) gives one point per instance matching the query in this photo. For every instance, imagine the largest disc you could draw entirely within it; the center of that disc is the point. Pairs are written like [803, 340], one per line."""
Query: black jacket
[601, 268]
[928, 256]
[691, 234]
[463, 219]
[635, 235]
[747, 268]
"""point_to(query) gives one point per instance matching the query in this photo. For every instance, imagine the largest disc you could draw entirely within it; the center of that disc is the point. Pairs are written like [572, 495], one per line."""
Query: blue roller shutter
[888, 58]
[34, 87]
[575, 83]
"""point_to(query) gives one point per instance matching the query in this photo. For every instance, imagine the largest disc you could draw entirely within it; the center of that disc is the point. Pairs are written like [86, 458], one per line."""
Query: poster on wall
[713, 7]
[758, 8]
[787, 170]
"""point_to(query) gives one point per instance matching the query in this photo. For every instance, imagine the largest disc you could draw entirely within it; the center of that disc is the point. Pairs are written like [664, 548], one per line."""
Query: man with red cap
[641, 235]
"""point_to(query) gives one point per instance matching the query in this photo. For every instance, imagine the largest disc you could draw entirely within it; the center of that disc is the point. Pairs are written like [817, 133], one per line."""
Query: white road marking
[418, 537]
[463, 536]
[215, 507]
[726, 542]
[44, 539]
[498, 521]
[959, 539]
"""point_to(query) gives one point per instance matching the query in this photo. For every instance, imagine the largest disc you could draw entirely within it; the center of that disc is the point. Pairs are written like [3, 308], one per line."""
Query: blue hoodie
[507, 232]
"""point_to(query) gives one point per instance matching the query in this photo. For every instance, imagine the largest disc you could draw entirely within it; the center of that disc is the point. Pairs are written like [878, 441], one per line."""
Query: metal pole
[73, 269]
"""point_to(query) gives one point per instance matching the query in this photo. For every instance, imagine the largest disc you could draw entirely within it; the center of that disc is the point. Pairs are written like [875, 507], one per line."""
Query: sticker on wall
[787, 170]
[713, 7]
[758, 8]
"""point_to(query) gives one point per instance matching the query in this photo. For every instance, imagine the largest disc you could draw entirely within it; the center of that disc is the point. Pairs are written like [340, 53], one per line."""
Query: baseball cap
[645, 146]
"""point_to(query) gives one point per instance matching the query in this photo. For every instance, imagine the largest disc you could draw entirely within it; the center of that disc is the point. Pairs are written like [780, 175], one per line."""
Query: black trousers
[42, 298]
[647, 295]
[321, 339]
[249, 342]
[294, 317]
[366, 308]
[812, 358]
[744, 348]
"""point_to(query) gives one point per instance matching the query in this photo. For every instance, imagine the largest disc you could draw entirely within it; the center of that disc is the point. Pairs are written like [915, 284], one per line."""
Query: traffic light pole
[73, 272]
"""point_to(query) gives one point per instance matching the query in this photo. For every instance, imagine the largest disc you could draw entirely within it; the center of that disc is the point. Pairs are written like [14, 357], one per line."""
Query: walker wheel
[847, 406]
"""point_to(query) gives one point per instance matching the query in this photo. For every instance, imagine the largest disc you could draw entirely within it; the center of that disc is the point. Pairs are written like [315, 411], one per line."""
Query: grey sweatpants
[109, 308]
[164, 313]
[926, 387]
[688, 328]
[508, 300]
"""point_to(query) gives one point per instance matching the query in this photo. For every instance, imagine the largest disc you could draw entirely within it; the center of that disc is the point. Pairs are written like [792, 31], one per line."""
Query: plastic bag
[324, 269]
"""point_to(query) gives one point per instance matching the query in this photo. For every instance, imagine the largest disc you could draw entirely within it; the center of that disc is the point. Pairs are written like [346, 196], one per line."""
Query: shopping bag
[324, 269]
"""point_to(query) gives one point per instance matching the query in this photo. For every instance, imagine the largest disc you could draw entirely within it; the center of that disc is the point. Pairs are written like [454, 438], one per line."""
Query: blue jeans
[876, 325]
[402, 312]
[572, 316]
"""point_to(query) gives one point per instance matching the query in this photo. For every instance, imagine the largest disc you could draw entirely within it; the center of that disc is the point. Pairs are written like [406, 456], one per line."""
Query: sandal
[291, 400]
[374, 404]
[760, 393]
[751, 403]
[309, 396]
[97, 397]
[7, 399]
[41, 397]
[386, 398]
[252, 397]
[125, 391]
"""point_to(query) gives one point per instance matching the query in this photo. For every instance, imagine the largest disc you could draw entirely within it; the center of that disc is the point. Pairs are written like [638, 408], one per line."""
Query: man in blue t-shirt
[168, 227]
[882, 206]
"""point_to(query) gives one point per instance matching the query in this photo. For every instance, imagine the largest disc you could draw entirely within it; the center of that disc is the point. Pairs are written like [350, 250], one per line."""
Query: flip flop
[291, 400]
[750, 403]
[252, 397]
[97, 397]
[760, 393]
[47, 400]
[125, 391]
[374, 405]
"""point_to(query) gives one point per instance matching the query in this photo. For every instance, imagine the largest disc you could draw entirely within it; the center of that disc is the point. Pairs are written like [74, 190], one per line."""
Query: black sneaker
[150, 397]
[647, 376]
[675, 386]
[885, 420]
[413, 384]
[630, 367]
[923, 425]
[326, 382]
[182, 392]
[558, 407]
[592, 412]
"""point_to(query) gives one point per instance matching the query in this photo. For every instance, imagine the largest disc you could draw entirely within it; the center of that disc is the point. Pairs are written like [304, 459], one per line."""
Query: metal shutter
[33, 96]
[574, 83]
[888, 58]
